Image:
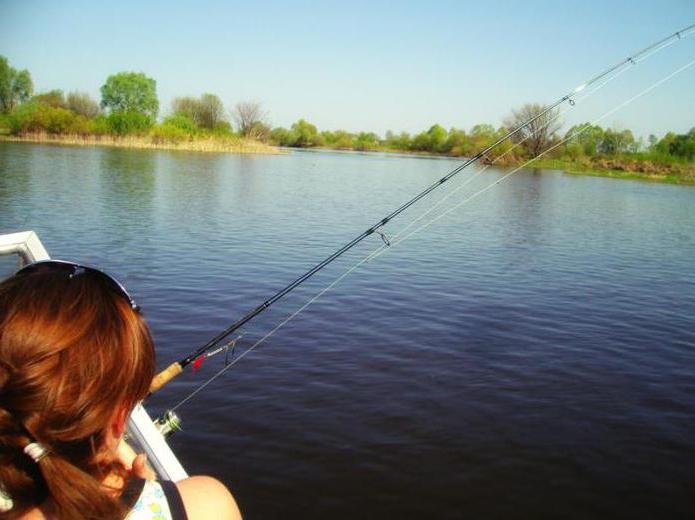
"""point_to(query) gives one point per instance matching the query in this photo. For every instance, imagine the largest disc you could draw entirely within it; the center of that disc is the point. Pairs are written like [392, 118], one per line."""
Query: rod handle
[165, 376]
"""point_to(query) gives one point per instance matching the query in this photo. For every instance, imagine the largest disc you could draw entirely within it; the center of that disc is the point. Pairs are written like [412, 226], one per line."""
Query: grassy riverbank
[646, 170]
[646, 167]
[229, 144]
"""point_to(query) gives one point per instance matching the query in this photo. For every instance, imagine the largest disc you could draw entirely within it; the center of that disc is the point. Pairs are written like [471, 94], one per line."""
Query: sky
[369, 66]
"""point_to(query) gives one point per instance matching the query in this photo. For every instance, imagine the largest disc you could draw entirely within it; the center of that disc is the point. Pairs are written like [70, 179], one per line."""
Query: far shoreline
[616, 169]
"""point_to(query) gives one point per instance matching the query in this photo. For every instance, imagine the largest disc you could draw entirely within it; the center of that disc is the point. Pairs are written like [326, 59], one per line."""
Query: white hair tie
[36, 451]
[6, 503]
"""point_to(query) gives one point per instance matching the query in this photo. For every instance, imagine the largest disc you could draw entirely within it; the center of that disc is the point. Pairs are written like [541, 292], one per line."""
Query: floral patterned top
[152, 504]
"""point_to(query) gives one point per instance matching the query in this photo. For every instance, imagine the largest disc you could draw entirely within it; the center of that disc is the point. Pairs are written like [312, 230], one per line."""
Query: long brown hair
[72, 351]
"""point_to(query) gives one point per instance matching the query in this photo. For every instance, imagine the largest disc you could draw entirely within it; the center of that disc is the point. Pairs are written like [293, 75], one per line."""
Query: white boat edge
[141, 428]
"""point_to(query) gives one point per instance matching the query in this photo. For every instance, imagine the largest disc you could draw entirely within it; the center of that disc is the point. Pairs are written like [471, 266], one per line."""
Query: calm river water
[531, 355]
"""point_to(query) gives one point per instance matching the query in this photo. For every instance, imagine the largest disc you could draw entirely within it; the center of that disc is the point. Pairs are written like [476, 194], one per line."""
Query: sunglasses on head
[73, 270]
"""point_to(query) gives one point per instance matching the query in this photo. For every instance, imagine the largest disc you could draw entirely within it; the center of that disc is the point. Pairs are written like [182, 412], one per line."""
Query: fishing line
[177, 367]
[586, 127]
[449, 210]
[477, 174]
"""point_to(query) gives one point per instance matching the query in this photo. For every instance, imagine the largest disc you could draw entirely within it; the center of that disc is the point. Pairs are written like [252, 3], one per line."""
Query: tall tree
[247, 115]
[53, 98]
[15, 86]
[537, 136]
[187, 106]
[131, 92]
[589, 137]
[618, 141]
[211, 110]
[206, 112]
[305, 132]
[22, 86]
[683, 145]
[82, 104]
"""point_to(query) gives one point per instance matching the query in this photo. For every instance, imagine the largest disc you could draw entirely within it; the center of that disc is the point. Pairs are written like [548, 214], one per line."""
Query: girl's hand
[135, 464]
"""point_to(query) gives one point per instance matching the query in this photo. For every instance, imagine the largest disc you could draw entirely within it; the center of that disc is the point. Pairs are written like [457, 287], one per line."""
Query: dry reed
[207, 144]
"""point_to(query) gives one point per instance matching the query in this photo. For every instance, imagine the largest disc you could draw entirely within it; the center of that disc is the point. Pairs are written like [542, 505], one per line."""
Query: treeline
[129, 106]
[437, 139]
[582, 141]
[592, 140]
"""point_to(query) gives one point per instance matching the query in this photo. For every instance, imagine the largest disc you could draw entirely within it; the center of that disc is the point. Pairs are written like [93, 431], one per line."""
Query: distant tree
[305, 132]
[456, 138]
[421, 142]
[223, 128]
[211, 110]
[81, 103]
[483, 130]
[53, 98]
[366, 141]
[22, 86]
[652, 140]
[259, 131]
[343, 139]
[15, 86]
[247, 115]
[44, 118]
[538, 135]
[187, 106]
[206, 111]
[181, 122]
[588, 137]
[338, 139]
[317, 140]
[437, 138]
[328, 137]
[617, 141]
[400, 141]
[683, 145]
[131, 92]
[123, 122]
[664, 144]
[283, 137]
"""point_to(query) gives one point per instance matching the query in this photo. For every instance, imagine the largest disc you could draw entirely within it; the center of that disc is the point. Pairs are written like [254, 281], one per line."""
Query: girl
[75, 358]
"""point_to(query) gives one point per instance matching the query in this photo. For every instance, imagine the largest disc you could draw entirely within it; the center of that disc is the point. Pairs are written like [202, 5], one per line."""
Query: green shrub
[128, 122]
[223, 129]
[574, 150]
[21, 118]
[99, 125]
[343, 140]
[82, 104]
[4, 123]
[181, 122]
[168, 133]
[366, 141]
[305, 134]
[37, 117]
[283, 137]
[53, 98]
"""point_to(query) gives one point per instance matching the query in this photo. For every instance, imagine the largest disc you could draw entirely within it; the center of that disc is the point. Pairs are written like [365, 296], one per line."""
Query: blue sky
[365, 65]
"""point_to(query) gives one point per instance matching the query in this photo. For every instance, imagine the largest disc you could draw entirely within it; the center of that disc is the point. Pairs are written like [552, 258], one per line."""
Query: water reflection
[127, 185]
[15, 186]
[447, 357]
[127, 180]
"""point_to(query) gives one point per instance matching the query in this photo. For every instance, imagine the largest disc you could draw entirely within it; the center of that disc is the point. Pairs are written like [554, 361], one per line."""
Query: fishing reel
[168, 423]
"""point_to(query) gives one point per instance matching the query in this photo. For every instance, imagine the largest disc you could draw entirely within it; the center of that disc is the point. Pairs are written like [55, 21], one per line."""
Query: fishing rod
[177, 367]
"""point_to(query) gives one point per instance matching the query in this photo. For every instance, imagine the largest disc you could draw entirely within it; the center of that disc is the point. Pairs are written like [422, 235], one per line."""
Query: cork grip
[165, 376]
